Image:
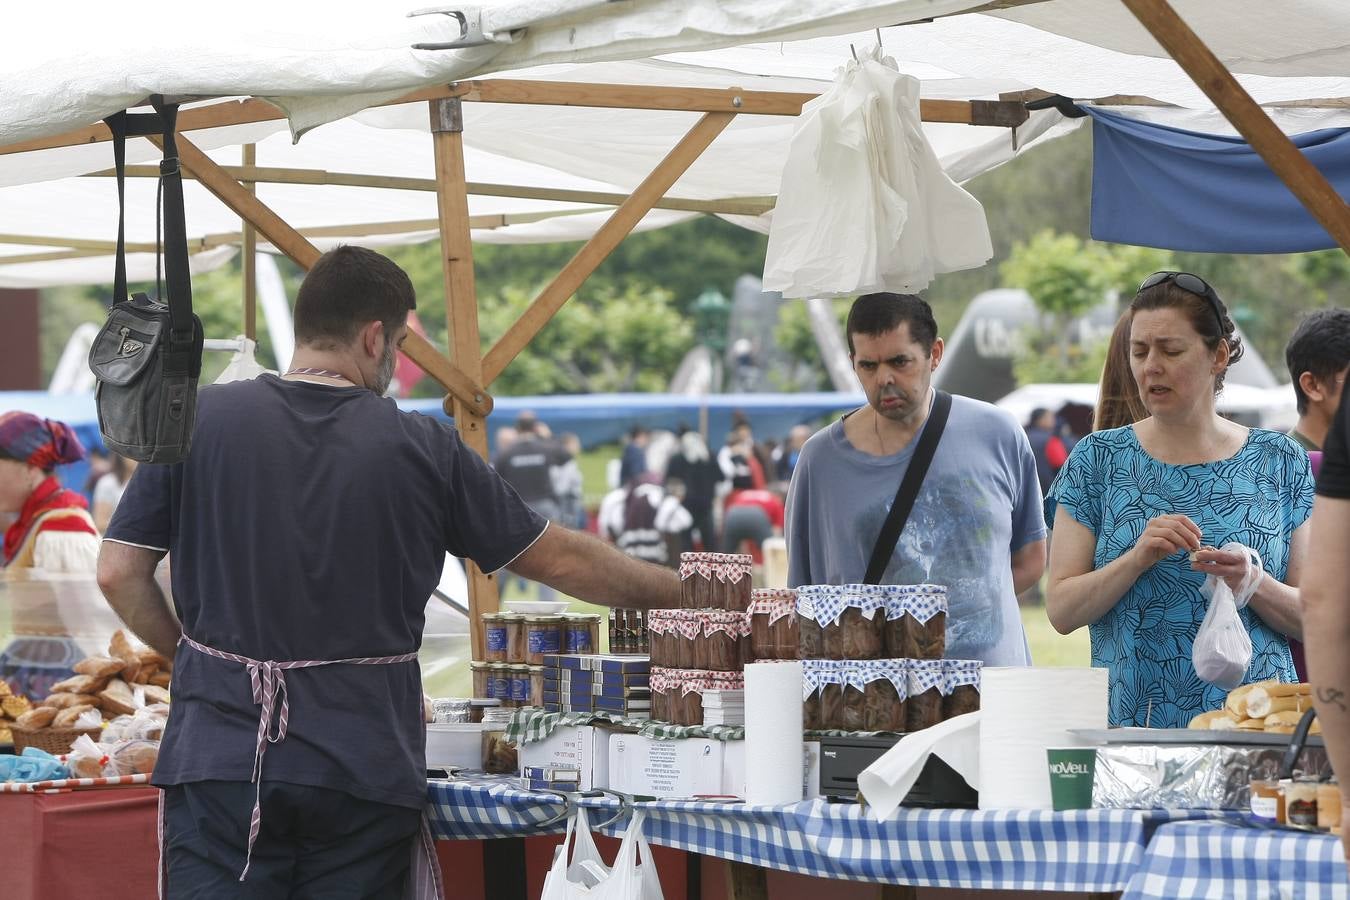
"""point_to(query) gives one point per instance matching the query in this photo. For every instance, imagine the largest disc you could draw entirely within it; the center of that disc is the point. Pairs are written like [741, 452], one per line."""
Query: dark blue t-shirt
[309, 523]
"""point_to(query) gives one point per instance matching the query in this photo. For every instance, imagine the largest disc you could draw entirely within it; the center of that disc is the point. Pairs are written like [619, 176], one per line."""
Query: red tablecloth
[80, 845]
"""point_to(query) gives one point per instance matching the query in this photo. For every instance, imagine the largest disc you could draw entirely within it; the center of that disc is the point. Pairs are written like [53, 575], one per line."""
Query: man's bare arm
[127, 576]
[1326, 630]
[1028, 565]
[587, 568]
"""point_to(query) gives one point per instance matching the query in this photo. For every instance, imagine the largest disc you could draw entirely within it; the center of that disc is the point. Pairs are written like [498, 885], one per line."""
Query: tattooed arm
[1326, 629]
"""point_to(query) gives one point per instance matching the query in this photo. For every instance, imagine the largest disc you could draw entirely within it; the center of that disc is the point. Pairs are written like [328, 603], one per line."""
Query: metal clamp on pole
[471, 32]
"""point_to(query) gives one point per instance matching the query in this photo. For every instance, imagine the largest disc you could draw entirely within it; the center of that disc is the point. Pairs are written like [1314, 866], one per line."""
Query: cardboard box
[583, 747]
[647, 767]
[592, 662]
[733, 769]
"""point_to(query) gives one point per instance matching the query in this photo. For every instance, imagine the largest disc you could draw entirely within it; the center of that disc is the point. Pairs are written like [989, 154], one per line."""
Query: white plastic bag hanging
[864, 204]
[1223, 648]
[579, 873]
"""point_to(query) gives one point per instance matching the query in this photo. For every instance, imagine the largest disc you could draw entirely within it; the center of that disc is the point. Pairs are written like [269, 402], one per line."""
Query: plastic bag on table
[579, 873]
[1223, 648]
[146, 724]
[86, 759]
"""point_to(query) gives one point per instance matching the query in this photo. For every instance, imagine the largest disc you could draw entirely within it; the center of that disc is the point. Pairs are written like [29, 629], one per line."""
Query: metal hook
[880, 45]
[625, 805]
[567, 810]
[854, 52]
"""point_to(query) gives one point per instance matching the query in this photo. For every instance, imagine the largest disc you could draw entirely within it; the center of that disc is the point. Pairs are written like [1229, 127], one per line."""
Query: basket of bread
[121, 683]
[1273, 707]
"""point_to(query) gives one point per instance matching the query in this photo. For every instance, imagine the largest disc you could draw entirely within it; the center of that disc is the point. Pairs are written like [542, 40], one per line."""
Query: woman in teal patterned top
[1134, 502]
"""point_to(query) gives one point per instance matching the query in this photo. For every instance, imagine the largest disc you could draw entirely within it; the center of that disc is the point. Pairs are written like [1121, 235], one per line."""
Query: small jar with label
[536, 685]
[1329, 806]
[1267, 800]
[515, 637]
[500, 682]
[494, 637]
[1300, 802]
[582, 633]
[482, 682]
[543, 636]
[520, 685]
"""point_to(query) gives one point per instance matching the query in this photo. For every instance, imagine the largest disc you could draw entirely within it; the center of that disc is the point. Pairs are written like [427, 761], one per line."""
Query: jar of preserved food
[662, 625]
[924, 706]
[1267, 799]
[852, 619]
[886, 694]
[536, 685]
[520, 684]
[960, 686]
[916, 621]
[543, 635]
[774, 632]
[500, 686]
[725, 640]
[494, 637]
[1300, 802]
[482, 682]
[514, 623]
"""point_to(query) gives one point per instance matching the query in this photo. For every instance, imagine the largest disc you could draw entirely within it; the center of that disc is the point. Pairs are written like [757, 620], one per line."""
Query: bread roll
[1203, 720]
[66, 717]
[1252, 725]
[1316, 727]
[80, 684]
[1236, 704]
[1224, 722]
[117, 698]
[15, 705]
[120, 646]
[40, 717]
[1266, 700]
[160, 679]
[99, 666]
[150, 657]
[1283, 722]
[155, 694]
[65, 700]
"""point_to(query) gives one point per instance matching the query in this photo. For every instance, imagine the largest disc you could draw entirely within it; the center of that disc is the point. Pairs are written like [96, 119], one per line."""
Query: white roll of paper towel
[773, 733]
[1023, 712]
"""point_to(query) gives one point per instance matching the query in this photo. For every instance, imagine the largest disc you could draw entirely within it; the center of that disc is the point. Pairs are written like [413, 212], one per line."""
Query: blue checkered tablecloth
[1030, 850]
[1223, 861]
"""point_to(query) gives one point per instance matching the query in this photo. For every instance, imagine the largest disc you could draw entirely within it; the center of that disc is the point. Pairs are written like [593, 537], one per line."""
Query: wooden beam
[1293, 168]
[510, 90]
[461, 316]
[48, 257]
[735, 206]
[438, 366]
[292, 243]
[603, 242]
[38, 240]
[249, 250]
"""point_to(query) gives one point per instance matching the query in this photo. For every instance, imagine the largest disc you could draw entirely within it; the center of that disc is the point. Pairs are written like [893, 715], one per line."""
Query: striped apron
[269, 692]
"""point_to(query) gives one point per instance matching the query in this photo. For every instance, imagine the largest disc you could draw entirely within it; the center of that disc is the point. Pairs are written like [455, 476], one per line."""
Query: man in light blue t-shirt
[977, 525]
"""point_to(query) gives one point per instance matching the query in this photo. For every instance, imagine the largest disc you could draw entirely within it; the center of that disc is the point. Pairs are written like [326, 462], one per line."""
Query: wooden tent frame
[466, 373]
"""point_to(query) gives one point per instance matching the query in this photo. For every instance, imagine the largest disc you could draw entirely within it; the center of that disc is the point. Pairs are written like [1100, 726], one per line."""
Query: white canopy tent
[320, 61]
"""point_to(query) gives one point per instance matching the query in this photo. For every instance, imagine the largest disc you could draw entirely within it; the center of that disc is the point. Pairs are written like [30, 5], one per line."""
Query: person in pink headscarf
[53, 529]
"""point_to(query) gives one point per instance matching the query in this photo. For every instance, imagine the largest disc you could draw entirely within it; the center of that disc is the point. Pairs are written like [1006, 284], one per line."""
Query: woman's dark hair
[1206, 312]
[1118, 402]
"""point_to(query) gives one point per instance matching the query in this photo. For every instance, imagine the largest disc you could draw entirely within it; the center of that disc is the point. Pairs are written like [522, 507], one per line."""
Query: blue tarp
[1158, 186]
[594, 418]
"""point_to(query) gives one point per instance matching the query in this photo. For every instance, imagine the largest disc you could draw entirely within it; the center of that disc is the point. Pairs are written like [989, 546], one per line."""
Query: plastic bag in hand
[1223, 648]
[579, 873]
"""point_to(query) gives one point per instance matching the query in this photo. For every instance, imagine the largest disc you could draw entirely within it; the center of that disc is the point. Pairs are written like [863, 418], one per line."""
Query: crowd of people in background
[668, 493]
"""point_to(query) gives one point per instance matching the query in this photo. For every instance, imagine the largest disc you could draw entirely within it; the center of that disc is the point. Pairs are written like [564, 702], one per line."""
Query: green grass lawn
[1049, 647]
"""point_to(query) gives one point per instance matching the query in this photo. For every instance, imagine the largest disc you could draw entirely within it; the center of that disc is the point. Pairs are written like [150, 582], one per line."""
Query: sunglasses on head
[1192, 284]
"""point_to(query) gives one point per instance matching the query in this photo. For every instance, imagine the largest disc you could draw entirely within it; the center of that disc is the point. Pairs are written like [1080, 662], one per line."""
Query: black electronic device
[842, 759]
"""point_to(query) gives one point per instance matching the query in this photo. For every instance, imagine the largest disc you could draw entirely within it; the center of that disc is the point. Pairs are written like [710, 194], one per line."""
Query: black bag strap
[162, 121]
[909, 487]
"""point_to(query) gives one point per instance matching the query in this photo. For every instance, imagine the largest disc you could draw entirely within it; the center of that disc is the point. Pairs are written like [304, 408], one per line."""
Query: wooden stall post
[452, 204]
[249, 249]
[1211, 76]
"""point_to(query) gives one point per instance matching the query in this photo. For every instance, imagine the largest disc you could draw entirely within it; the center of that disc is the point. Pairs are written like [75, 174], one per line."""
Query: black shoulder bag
[909, 487]
[148, 356]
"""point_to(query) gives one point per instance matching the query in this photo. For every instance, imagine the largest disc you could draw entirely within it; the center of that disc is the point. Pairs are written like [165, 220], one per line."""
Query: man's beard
[384, 372]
